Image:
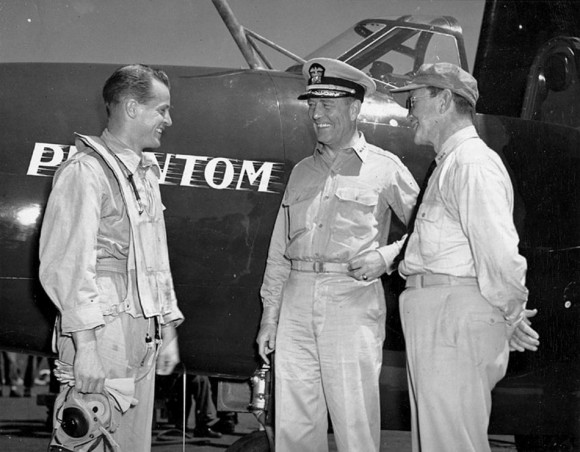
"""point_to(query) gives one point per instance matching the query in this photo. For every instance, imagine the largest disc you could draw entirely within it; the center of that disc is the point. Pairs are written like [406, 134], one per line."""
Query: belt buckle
[318, 267]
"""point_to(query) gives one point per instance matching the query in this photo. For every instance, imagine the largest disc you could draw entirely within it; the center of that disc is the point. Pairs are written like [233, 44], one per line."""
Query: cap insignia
[316, 72]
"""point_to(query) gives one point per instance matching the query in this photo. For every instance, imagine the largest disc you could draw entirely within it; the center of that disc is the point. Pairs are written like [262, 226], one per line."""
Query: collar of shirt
[128, 157]
[359, 148]
[454, 141]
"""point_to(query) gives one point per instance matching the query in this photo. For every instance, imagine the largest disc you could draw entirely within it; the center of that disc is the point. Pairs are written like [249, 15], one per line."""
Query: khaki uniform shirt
[464, 226]
[333, 210]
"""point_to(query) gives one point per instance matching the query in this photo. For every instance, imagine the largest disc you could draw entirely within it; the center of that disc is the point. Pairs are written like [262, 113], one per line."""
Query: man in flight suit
[324, 305]
[104, 262]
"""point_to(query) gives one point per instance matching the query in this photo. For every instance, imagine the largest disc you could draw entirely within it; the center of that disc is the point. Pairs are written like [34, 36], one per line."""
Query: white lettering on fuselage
[219, 173]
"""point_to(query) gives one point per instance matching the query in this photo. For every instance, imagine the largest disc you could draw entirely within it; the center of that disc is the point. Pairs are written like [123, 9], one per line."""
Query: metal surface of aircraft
[233, 144]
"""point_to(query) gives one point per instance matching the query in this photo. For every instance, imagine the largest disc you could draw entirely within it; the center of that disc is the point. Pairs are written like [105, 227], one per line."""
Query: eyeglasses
[410, 104]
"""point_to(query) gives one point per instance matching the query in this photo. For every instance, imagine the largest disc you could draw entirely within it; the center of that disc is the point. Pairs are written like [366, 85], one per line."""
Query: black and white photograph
[291, 226]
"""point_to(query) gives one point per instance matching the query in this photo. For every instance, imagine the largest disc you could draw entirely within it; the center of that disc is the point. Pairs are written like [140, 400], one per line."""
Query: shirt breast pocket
[429, 225]
[299, 209]
[355, 211]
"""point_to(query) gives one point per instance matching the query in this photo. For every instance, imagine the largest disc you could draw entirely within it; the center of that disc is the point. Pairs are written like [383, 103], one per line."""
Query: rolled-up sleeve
[68, 246]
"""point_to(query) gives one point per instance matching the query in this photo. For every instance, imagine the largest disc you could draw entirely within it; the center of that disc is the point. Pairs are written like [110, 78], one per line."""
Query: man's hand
[267, 340]
[88, 370]
[367, 266]
[168, 356]
[523, 337]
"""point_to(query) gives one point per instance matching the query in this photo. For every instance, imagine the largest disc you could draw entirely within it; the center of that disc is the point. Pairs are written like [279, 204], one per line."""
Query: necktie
[411, 227]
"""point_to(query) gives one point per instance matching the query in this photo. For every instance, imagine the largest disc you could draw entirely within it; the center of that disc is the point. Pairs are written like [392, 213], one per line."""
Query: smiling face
[152, 117]
[424, 116]
[334, 120]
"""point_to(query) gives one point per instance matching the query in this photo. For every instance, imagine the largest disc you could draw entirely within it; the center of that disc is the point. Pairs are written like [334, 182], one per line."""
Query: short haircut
[134, 80]
[462, 105]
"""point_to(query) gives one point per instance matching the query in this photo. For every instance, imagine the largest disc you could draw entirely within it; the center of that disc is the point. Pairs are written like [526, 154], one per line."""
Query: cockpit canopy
[392, 49]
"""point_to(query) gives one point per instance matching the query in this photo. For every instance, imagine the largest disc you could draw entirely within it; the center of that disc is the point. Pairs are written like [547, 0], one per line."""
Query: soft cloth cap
[446, 76]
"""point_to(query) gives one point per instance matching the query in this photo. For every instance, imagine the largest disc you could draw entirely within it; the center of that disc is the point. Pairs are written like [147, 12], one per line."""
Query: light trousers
[328, 360]
[457, 350]
[125, 353]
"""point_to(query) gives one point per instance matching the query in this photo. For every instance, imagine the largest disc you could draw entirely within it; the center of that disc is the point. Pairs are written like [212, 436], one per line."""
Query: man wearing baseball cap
[464, 303]
[324, 304]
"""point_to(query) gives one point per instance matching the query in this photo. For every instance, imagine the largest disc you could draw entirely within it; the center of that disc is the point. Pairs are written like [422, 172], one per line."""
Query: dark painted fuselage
[218, 221]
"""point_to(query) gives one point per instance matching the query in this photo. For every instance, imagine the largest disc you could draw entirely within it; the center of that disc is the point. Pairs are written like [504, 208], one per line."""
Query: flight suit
[104, 264]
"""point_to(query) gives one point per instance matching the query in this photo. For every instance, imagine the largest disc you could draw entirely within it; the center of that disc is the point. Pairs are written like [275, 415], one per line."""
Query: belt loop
[318, 266]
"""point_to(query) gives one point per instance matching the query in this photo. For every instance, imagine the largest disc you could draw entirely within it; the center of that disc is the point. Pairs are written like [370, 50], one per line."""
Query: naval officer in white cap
[324, 304]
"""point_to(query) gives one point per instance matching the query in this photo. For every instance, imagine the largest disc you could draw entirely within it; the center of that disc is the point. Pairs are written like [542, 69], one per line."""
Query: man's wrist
[269, 316]
[269, 324]
[168, 332]
[514, 320]
[85, 339]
